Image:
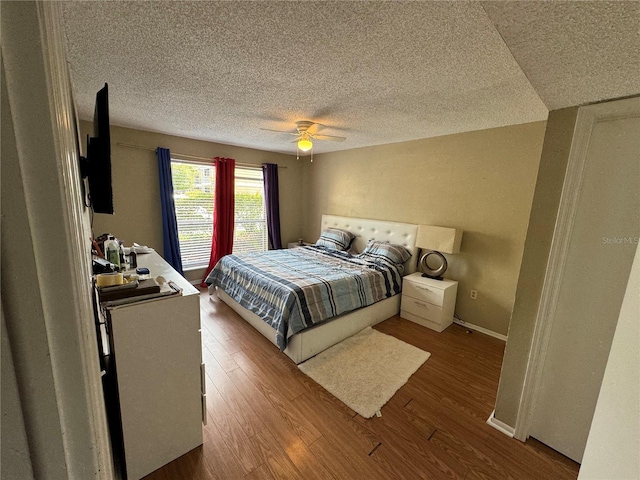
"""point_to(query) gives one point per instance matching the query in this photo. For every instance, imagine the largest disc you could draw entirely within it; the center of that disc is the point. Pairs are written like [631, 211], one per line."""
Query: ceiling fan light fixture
[304, 144]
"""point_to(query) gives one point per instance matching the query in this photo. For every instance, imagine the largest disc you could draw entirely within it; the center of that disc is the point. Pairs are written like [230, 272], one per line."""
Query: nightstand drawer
[438, 327]
[427, 293]
[421, 308]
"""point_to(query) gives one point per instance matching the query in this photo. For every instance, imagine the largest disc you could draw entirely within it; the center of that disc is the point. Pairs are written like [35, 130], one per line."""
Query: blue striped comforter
[297, 288]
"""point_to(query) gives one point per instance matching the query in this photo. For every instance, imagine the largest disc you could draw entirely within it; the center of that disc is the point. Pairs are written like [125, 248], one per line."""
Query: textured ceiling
[573, 52]
[374, 72]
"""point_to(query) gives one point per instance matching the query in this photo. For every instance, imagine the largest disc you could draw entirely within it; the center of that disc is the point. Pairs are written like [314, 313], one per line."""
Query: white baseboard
[486, 331]
[501, 426]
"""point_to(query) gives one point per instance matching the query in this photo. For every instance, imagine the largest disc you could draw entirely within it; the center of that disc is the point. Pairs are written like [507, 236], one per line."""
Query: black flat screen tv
[96, 167]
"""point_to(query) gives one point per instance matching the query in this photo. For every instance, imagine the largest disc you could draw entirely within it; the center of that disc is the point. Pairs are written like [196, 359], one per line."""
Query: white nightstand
[296, 244]
[428, 302]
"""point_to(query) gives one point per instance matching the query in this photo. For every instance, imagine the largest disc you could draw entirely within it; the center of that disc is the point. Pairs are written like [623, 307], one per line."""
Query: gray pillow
[377, 250]
[335, 239]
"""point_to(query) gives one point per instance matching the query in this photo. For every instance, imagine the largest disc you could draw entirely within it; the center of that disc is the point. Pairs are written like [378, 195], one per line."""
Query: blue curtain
[272, 201]
[169, 222]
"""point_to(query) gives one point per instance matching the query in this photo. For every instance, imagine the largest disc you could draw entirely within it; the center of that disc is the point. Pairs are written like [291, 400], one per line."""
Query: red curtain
[223, 212]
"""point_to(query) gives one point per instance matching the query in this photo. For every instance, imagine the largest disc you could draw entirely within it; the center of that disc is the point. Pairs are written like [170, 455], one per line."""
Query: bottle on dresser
[133, 258]
[112, 250]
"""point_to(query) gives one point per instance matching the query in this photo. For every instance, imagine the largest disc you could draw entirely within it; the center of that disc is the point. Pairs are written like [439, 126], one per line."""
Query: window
[194, 211]
[250, 231]
[193, 187]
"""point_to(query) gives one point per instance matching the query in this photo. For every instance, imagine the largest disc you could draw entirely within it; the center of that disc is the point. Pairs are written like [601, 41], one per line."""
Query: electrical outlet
[474, 294]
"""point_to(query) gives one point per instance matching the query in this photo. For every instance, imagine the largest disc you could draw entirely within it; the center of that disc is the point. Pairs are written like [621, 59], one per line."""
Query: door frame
[50, 318]
[588, 117]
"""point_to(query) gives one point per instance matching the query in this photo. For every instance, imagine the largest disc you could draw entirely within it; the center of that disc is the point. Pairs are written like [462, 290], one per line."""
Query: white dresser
[429, 302]
[156, 373]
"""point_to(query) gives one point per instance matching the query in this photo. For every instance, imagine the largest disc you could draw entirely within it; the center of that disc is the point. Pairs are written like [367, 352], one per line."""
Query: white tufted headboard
[366, 229]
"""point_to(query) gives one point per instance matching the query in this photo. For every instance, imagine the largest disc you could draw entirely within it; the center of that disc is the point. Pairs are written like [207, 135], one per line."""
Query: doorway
[594, 242]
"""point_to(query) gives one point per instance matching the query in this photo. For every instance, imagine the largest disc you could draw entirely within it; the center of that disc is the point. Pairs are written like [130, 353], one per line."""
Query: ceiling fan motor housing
[303, 125]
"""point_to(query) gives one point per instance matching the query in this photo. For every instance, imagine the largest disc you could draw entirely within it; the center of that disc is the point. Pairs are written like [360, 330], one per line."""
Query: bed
[314, 338]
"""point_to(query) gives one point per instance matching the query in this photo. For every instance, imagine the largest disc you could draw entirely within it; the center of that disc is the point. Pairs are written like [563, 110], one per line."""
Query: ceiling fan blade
[333, 138]
[279, 131]
[314, 128]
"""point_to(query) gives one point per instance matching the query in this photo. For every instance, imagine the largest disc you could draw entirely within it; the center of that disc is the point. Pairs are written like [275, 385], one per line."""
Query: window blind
[194, 187]
[250, 232]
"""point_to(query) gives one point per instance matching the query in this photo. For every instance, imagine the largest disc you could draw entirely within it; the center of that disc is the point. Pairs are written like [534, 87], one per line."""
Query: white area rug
[364, 371]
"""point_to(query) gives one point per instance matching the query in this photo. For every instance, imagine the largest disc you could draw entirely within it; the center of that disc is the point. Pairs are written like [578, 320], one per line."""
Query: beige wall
[136, 194]
[553, 164]
[481, 182]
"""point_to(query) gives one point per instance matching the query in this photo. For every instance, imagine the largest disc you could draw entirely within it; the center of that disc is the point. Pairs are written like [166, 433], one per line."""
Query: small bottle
[133, 258]
[123, 258]
[112, 251]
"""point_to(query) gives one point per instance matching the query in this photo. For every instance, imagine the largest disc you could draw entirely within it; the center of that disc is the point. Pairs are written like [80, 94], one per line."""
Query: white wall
[613, 446]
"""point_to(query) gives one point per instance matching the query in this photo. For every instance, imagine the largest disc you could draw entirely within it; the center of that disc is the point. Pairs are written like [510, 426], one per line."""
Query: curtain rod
[191, 157]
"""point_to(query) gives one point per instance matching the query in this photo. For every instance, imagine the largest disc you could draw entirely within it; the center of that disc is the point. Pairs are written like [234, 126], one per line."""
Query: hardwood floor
[267, 420]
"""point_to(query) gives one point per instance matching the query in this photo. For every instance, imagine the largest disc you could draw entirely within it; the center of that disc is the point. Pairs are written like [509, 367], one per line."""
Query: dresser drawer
[421, 308]
[422, 292]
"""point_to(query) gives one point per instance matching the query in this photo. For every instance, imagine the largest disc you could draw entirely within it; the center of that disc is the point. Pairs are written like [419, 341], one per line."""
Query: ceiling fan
[305, 133]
